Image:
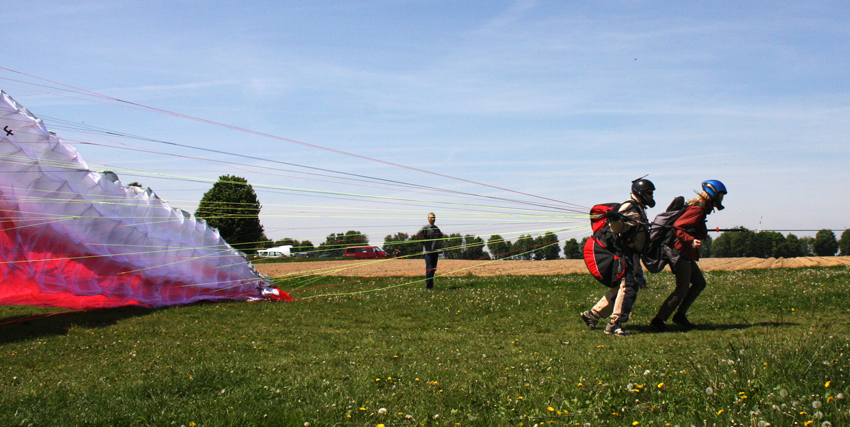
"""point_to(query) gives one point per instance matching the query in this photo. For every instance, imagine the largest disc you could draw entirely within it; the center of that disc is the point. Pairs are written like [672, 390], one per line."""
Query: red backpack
[602, 253]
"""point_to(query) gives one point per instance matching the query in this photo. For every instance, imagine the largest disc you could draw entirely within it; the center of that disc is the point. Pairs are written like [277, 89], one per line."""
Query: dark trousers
[430, 269]
[689, 283]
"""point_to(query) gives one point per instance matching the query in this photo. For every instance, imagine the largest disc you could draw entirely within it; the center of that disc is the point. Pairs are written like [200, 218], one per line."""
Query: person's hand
[697, 243]
[613, 215]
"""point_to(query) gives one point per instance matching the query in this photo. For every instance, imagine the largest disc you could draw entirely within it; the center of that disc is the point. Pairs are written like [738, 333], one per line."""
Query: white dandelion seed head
[709, 390]
[816, 404]
[783, 393]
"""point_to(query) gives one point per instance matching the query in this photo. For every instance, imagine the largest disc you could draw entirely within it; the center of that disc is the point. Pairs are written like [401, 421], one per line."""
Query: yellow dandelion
[808, 423]
[550, 409]
[660, 385]
[636, 423]
[580, 384]
[827, 384]
[719, 412]
[377, 379]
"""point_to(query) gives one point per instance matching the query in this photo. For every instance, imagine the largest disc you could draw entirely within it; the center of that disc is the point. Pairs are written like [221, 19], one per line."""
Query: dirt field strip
[416, 267]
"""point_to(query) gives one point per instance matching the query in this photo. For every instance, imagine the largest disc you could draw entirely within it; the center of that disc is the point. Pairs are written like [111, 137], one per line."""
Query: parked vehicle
[275, 252]
[364, 252]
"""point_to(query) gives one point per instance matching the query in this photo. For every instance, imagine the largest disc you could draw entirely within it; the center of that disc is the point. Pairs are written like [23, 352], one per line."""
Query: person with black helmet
[630, 226]
[690, 232]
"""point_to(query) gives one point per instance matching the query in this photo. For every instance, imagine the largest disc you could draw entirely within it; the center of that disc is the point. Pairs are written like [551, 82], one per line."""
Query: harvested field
[415, 267]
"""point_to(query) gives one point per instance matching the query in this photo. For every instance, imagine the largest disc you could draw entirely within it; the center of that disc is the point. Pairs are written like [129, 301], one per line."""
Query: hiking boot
[681, 319]
[590, 319]
[614, 328]
[658, 324]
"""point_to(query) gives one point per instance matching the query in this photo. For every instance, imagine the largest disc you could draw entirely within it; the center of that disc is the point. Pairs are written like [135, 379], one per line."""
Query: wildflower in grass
[783, 393]
[660, 385]
[808, 423]
[827, 384]
[382, 411]
[826, 424]
[550, 409]
[816, 404]
[709, 390]
[719, 412]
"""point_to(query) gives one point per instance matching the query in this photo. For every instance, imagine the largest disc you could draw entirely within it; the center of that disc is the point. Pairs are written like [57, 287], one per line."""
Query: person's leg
[605, 306]
[682, 272]
[697, 285]
[627, 293]
[430, 269]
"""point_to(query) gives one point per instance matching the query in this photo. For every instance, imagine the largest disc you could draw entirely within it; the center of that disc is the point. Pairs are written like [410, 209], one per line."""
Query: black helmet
[641, 188]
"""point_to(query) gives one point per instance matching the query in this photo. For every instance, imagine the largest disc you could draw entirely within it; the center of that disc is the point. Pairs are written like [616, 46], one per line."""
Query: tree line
[232, 207]
[762, 244]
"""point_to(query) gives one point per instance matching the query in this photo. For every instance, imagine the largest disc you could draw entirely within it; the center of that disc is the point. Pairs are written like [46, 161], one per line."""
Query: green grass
[772, 346]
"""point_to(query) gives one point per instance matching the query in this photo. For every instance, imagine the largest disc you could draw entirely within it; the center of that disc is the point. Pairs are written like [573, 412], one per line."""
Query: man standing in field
[432, 242]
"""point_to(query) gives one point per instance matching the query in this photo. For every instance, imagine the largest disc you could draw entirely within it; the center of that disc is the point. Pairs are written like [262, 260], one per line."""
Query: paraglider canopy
[76, 238]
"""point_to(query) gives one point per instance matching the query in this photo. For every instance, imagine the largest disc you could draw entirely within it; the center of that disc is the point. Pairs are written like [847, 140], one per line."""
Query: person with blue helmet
[690, 231]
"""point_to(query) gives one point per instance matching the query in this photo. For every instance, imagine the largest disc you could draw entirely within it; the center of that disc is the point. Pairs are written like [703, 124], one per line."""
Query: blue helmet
[716, 190]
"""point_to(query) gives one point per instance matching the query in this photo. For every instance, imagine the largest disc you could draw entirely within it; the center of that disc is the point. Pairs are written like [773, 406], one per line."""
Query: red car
[365, 252]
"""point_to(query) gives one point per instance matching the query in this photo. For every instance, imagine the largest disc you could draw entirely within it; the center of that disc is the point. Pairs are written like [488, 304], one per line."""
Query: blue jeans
[430, 269]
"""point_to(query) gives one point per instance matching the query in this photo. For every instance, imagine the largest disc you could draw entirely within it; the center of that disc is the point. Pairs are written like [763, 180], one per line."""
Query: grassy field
[772, 347]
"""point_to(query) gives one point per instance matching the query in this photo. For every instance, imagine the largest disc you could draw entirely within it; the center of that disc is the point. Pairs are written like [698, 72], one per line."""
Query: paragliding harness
[662, 232]
[603, 251]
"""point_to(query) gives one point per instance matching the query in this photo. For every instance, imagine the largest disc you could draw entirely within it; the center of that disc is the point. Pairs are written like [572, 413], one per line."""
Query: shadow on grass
[672, 327]
[22, 328]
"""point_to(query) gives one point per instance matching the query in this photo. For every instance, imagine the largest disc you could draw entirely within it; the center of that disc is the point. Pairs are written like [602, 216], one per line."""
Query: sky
[502, 117]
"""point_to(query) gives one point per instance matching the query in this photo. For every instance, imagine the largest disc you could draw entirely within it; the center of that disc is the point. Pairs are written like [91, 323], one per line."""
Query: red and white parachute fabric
[74, 238]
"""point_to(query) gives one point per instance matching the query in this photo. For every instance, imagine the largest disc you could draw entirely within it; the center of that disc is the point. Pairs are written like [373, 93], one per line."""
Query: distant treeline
[738, 243]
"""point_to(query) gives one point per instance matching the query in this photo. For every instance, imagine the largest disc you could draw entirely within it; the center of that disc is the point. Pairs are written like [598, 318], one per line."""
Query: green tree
[546, 246]
[572, 249]
[305, 246]
[473, 248]
[705, 249]
[524, 247]
[401, 245]
[454, 246]
[499, 248]
[844, 243]
[790, 248]
[807, 244]
[232, 207]
[825, 243]
[335, 243]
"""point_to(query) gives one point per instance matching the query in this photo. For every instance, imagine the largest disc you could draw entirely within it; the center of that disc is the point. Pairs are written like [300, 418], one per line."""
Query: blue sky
[563, 101]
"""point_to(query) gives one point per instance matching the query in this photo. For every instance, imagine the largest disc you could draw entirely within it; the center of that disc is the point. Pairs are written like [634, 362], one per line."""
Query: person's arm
[685, 225]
